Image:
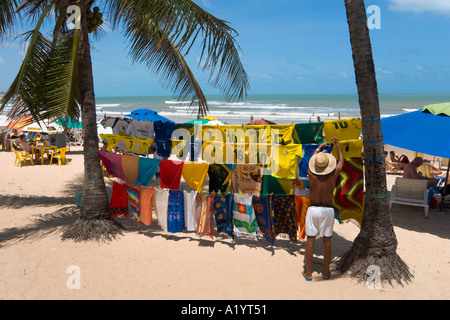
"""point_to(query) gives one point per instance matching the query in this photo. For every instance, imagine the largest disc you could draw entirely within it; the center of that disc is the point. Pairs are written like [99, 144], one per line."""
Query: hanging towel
[146, 204]
[350, 149]
[247, 178]
[244, 216]
[343, 129]
[175, 211]
[147, 170]
[284, 216]
[276, 186]
[349, 191]
[223, 213]
[133, 199]
[190, 210]
[113, 164]
[263, 207]
[219, 176]
[284, 164]
[301, 207]
[195, 174]
[171, 173]
[130, 166]
[308, 151]
[119, 201]
[161, 205]
[204, 214]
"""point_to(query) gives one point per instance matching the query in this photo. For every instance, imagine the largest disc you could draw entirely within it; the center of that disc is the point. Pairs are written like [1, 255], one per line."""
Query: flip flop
[307, 279]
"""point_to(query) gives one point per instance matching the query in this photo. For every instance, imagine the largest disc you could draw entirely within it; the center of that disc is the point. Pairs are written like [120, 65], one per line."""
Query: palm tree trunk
[95, 222]
[376, 244]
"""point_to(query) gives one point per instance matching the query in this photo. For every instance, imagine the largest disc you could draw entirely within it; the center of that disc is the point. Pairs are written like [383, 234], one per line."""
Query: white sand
[154, 264]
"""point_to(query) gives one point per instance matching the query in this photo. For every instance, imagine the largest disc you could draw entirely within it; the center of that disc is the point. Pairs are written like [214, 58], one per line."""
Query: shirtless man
[323, 173]
[411, 172]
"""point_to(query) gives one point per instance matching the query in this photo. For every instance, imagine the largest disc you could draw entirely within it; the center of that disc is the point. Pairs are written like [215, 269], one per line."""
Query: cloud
[207, 4]
[418, 6]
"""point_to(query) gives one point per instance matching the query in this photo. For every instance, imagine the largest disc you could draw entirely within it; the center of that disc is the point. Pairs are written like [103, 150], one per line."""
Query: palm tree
[376, 243]
[56, 78]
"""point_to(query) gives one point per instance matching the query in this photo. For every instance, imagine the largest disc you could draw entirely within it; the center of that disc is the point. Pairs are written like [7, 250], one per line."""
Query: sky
[293, 47]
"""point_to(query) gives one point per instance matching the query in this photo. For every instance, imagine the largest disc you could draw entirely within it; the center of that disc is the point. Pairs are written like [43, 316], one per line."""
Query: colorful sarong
[247, 178]
[146, 204]
[349, 192]
[195, 174]
[170, 171]
[223, 213]
[175, 211]
[220, 176]
[301, 207]
[119, 201]
[147, 170]
[190, 210]
[133, 199]
[161, 204]
[264, 216]
[244, 216]
[204, 214]
[284, 216]
[113, 164]
[130, 166]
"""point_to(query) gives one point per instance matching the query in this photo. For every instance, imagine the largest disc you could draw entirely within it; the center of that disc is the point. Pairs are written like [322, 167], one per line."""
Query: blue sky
[294, 47]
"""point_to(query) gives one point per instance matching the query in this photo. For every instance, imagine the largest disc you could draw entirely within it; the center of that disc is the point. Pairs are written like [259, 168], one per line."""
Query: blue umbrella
[418, 131]
[147, 115]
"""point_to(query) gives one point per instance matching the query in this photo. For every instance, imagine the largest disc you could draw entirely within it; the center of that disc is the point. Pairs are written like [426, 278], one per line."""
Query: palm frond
[184, 22]
[7, 17]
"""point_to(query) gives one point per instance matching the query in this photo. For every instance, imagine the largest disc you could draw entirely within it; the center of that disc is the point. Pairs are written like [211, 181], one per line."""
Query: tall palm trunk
[376, 244]
[94, 222]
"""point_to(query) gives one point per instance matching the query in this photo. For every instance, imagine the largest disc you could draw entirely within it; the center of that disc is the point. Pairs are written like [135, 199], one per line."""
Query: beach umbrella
[260, 122]
[147, 115]
[19, 124]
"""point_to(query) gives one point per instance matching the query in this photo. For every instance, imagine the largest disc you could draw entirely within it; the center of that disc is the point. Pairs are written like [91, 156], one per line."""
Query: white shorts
[319, 221]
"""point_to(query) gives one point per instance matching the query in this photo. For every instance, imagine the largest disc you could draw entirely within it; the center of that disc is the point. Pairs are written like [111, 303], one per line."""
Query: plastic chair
[410, 192]
[22, 156]
[60, 154]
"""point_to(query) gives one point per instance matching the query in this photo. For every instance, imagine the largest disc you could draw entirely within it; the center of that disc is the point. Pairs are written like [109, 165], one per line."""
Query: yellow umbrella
[209, 118]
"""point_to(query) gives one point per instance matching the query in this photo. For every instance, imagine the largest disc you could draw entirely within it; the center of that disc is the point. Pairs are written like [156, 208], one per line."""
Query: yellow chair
[22, 156]
[60, 154]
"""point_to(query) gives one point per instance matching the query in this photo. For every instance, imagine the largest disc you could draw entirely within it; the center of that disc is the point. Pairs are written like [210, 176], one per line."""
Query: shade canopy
[70, 123]
[147, 115]
[438, 109]
[418, 131]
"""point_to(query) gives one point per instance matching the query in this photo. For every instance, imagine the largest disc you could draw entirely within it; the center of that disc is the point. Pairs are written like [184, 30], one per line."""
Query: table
[10, 143]
[41, 149]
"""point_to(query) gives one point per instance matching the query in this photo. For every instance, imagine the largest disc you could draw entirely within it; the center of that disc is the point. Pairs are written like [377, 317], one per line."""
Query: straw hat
[322, 163]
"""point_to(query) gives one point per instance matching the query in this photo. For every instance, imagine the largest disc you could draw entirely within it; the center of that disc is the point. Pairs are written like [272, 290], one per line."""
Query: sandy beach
[38, 201]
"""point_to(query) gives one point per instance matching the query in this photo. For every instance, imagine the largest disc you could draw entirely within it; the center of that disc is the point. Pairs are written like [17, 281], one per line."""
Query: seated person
[411, 172]
[394, 164]
[26, 147]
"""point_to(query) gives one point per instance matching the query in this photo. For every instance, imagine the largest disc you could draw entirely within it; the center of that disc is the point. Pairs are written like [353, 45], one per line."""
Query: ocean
[280, 109]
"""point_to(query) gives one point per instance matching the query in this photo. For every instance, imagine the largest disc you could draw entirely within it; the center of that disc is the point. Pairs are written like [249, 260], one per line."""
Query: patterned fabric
[247, 178]
[161, 204]
[264, 216]
[220, 176]
[308, 151]
[244, 216]
[171, 173]
[146, 204]
[284, 216]
[276, 186]
[204, 215]
[223, 213]
[175, 211]
[119, 201]
[133, 199]
[190, 210]
[301, 207]
[349, 192]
